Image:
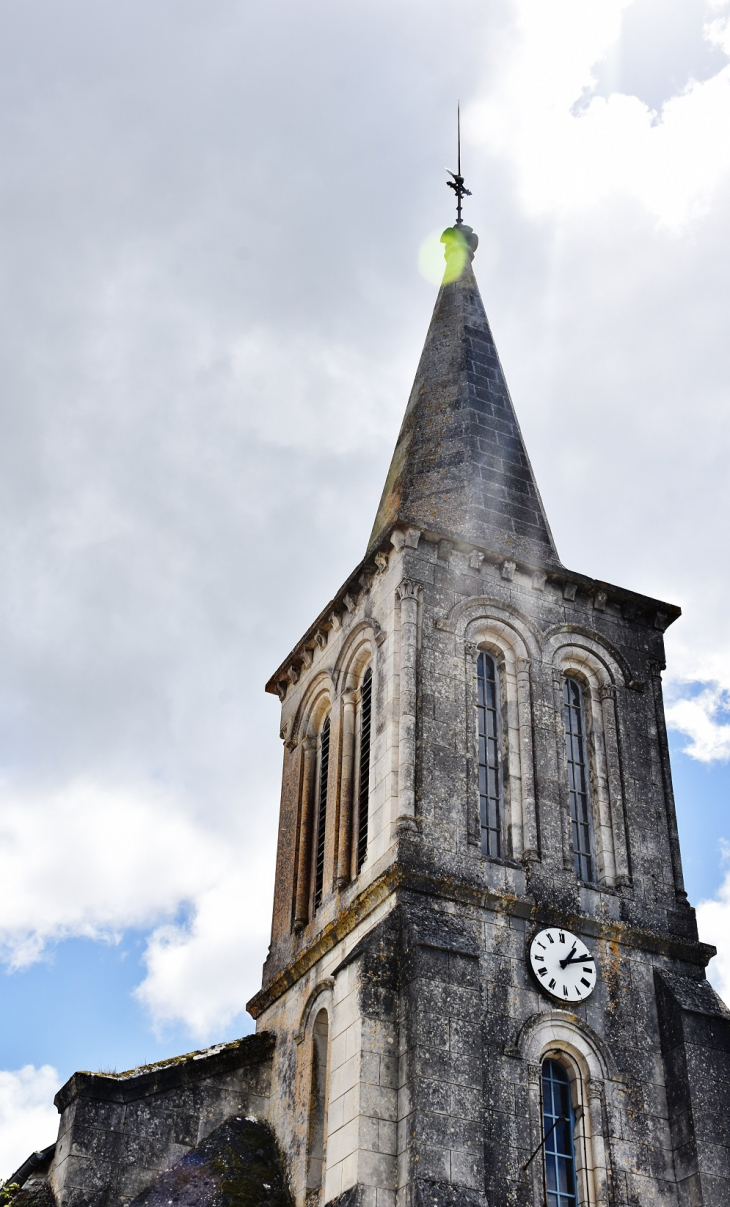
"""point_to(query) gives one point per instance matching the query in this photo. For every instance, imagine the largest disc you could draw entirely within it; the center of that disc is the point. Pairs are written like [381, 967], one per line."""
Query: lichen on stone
[237, 1165]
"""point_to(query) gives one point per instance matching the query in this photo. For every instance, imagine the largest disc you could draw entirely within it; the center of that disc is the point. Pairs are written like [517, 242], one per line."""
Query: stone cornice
[329, 619]
[399, 878]
[366, 901]
[654, 612]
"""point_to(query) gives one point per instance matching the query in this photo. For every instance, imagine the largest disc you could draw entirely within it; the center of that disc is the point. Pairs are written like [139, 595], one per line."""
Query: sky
[212, 219]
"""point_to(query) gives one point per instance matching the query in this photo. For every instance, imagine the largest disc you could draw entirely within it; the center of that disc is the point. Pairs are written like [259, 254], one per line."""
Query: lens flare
[442, 256]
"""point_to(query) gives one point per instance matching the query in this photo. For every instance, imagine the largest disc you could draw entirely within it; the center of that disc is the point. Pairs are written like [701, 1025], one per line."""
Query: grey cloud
[210, 320]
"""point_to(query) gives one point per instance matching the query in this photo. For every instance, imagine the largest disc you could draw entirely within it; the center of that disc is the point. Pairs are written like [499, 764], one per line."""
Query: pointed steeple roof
[460, 467]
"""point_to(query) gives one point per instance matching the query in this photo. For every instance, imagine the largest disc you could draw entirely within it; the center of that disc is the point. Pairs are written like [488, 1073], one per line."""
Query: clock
[563, 965]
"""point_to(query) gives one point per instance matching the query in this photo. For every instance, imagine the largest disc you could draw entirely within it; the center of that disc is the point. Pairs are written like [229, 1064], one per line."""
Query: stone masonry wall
[119, 1132]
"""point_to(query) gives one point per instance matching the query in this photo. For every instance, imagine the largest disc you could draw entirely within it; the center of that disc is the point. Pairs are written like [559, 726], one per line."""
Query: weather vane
[457, 184]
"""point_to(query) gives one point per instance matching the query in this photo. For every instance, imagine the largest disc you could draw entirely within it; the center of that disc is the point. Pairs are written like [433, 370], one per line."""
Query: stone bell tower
[476, 771]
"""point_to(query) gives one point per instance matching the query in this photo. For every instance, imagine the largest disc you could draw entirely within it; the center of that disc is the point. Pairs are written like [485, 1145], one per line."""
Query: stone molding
[166, 1074]
[325, 986]
[469, 893]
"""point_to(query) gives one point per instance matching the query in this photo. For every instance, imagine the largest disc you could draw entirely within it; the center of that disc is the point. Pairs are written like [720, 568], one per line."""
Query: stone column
[597, 1145]
[615, 792]
[301, 911]
[408, 594]
[347, 781]
[535, 1172]
[530, 840]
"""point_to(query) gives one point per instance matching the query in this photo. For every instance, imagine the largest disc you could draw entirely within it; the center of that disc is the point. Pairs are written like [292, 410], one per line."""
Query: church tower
[484, 983]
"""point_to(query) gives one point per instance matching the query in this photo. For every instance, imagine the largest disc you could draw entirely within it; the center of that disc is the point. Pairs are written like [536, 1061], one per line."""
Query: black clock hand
[586, 959]
[564, 963]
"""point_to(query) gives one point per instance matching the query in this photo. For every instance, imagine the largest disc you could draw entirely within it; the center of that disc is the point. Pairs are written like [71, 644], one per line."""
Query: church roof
[460, 468]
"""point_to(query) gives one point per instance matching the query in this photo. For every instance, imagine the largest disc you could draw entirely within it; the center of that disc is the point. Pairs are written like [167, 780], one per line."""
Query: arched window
[559, 1136]
[363, 795]
[578, 780]
[318, 1102]
[490, 761]
[319, 850]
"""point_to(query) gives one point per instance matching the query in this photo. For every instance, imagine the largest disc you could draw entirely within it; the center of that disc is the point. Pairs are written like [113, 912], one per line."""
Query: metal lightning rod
[457, 184]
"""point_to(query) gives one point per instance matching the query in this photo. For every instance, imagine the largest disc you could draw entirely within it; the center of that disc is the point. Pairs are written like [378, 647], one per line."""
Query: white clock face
[563, 964]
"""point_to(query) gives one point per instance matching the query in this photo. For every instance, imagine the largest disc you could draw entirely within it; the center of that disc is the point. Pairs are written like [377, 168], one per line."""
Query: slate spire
[460, 468]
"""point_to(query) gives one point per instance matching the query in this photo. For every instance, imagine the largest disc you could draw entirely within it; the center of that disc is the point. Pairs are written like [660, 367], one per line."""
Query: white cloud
[699, 718]
[202, 974]
[571, 150]
[91, 860]
[28, 1118]
[713, 921]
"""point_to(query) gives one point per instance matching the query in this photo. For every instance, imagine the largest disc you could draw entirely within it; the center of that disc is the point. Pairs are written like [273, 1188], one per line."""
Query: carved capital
[507, 570]
[408, 590]
[523, 666]
[349, 697]
[607, 691]
[595, 1089]
[534, 1074]
[309, 744]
